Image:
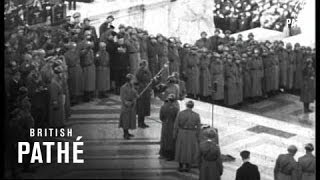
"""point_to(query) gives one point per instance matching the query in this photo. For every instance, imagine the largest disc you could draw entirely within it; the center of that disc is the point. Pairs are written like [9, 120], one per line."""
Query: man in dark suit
[247, 171]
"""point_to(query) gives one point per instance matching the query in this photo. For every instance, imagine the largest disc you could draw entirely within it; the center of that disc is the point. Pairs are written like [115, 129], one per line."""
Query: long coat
[128, 97]
[230, 94]
[248, 171]
[283, 64]
[192, 73]
[291, 69]
[308, 88]
[103, 70]
[298, 74]
[307, 167]
[205, 76]
[56, 108]
[214, 42]
[120, 65]
[143, 48]
[210, 161]
[256, 66]
[267, 64]
[203, 43]
[275, 78]
[133, 47]
[153, 57]
[163, 58]
[168, 114]
[174, 59]
[186, 131]
[75, 74]
[246, 79]
[88, 67]
[144, 102]
[239, 83]
[286, 168]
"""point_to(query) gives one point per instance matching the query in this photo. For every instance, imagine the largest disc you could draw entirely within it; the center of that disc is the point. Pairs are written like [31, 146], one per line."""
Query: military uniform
[246, 78]
[308, 88]
[56, 110]
[163, 58]
[285, 168]
[133, 48]
[217, 75]
[102, 71]
[128, 96]
[186, 131]
[307, 167]
[298, 74]
[291, 69]
[203, 43]
[256, 67]
[205, 76]
[192, 73]
[168, 114]
[153, 57]
[283, 64]
[173, 58]
[230, 94]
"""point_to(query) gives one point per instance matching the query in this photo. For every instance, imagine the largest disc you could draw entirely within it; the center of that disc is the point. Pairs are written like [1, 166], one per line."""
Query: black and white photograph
[159, 89]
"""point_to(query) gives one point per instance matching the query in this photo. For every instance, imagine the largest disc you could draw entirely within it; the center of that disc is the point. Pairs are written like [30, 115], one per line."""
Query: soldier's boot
[187, 169]
[180, 169]
[126, 134]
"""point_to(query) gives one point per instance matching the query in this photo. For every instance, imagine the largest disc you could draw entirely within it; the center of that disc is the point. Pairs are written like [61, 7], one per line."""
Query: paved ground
[107, 155]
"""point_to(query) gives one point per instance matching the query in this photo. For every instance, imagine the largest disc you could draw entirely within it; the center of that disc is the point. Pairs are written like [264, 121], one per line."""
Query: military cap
[171, 79]
[186, 45]
[58, 69]
[227, 32]
[232, 39]
[171, 39]
[129, 77]
[309, 147]
[288, 45]
[110, 16]
[203, 32]
[143, 62]
[151, 36]
[128, 27]
[190, 104]
[194, 48]
[250, 34]
[292, 149]
[121, 26]
[171, 97]
[297, 45]
[76, 15]
[86, 19]
[245, 154]
[267, 42]
[217, 30]
[281, 42]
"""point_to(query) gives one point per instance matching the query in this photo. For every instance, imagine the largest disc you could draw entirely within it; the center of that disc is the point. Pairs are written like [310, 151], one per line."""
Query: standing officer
[283, 64]
[102, 62]
[210, 158]
[168, 114]
[247, 171]
[186, 132]
[143, 76]
[152, 48]
[286, 165]
[217, 75]
[106, 25]
[128, 96]
[307, 164]
[291, 66]
[203, 42]
[308, 85]
[215, 40]
[87, 63]
[298, 65]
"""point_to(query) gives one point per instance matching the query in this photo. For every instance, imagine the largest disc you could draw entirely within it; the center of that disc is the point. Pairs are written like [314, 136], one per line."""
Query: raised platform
[108, 155]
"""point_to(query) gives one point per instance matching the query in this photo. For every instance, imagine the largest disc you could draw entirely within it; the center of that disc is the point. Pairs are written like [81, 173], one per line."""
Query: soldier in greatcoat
[173, 56]
[230, 91]
[286, 167]
[298, 65]
[133, 48]
[215, 40]
[308, 87]
[102, 61]
[217, 75]
[186, 133]
[210, 163]
[192, 73]
[205, 76]
[203, 42]
[274, 72]
[153, 55]
[246, 76]
[143, 76]
[56, 107]
[267, 64]
[128, 96]
[162, 56]
[291, 66]
[143, 41]
[168, 114]
[239, 81]
[75, 74]
[307, 164]
[86, 26]
[283, 64]
[88, 67]
[256, 67]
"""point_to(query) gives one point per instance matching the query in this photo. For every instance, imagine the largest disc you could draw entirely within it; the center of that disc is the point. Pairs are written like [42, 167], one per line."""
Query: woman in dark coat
[143, 76]
[168, 114]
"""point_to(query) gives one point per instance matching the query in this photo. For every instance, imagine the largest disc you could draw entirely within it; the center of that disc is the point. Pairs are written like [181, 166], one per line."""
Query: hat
[171, 97]
[292, 149]
[250, 34]
[76, 15]
[186, 45]
[190, 104]
[309, 147]
[171, 78]
[211, 133]
[245, 154]
[151, 36]
[203, 32]
[129, 77]
[288, 45]
[86, 19]
[194, 48]
[102, 44]
[121, 26]
[110, 17]
[217, 30]
[227, 32]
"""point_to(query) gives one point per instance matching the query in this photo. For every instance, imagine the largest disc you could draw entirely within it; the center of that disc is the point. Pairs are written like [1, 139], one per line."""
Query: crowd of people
[239, 15]
[48, 69]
